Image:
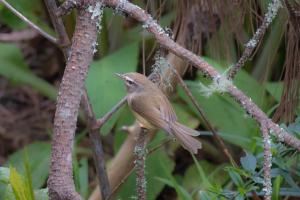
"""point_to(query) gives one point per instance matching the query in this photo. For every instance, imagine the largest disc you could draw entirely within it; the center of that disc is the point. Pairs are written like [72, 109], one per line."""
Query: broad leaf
[104, 88]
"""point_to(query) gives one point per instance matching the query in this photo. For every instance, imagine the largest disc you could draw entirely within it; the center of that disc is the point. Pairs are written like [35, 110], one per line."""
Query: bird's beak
[120, 76]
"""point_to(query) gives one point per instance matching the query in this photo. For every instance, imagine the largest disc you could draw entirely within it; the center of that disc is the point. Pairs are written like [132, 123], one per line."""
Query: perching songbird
[153, 110]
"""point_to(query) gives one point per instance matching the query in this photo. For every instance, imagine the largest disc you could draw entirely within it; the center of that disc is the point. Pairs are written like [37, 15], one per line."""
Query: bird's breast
[144, 123]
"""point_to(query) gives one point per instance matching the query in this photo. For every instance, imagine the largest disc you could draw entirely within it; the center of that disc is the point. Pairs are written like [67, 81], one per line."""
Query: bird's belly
[144, 123]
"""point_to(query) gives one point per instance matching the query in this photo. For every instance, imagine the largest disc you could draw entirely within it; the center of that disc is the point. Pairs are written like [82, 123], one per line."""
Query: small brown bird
[153, 110]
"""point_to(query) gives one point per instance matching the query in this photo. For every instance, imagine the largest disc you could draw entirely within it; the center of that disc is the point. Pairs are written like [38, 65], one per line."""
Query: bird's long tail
[186, 136]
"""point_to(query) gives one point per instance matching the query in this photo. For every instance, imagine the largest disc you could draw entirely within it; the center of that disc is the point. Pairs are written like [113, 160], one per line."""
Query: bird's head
[134, 82]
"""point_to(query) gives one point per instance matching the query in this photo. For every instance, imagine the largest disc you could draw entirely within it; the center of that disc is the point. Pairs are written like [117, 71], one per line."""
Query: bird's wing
[151, 114]
[166, 109]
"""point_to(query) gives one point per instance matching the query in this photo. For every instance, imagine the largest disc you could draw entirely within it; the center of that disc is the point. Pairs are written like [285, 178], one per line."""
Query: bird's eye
[130, 82]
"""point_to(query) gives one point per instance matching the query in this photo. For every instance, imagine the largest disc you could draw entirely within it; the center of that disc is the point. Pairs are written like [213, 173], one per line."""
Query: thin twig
[208, 124]
[17, 36]
[251, 45]
[30, 23]
[130, 171]
[64, 41]
[267, 163]
[162, 38]
[97, 147]
[100, 122]
[140, 157]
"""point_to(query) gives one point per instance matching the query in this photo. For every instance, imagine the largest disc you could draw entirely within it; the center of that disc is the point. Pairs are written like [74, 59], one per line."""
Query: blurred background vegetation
[30, 72]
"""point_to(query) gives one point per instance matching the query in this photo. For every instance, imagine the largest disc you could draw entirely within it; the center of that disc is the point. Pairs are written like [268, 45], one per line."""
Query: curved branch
[60, 183]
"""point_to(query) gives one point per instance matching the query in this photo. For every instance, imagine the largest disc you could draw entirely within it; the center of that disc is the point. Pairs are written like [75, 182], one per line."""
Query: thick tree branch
[94, 133]
[162, 38]
[60, 183]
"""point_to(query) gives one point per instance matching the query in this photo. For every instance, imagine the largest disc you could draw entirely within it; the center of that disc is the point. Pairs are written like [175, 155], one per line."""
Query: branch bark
[140, 165]
[162, 38]
[94, 132]
[60, 182]
[95, 139]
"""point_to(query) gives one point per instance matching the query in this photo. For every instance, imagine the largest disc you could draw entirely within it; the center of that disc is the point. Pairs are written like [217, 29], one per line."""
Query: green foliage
[14, 186]
[17, 186]
[38, 162]
[101, 79]
[13, 67]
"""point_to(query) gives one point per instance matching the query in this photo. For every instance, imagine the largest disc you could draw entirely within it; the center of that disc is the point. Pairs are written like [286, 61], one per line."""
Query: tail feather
[185, 137]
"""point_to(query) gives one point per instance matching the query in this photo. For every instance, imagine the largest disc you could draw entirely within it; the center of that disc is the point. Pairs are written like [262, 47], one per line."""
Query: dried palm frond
[286, 111]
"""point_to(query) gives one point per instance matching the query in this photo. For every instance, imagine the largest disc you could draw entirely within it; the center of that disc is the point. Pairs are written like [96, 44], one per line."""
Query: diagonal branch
[208, 124]
[162, 38]
[30, 23]
[97, 147]
[251, 45]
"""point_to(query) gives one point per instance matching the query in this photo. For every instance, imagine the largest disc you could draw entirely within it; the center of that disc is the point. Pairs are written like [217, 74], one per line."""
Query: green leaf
[28, 179]
[276, 188]
[4, 175]
[275, 89]
[203, 176]
[39, 160]
[236, 178]
[14, 68]
[269, 52]
[249, 162]
[226, 114]
[4, 181]
[83, 178]
[204, 195]
[41, 194]
[18, 185]
[104, 88]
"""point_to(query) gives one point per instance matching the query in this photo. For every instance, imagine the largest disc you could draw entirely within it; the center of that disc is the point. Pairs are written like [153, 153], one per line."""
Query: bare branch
[267, 163]
[251, 45]
[162, 38]
[60, 182]
[139, 163]
[17, 36]
[64, 41]
[30, 23]
[97, 147]
[100, 122]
